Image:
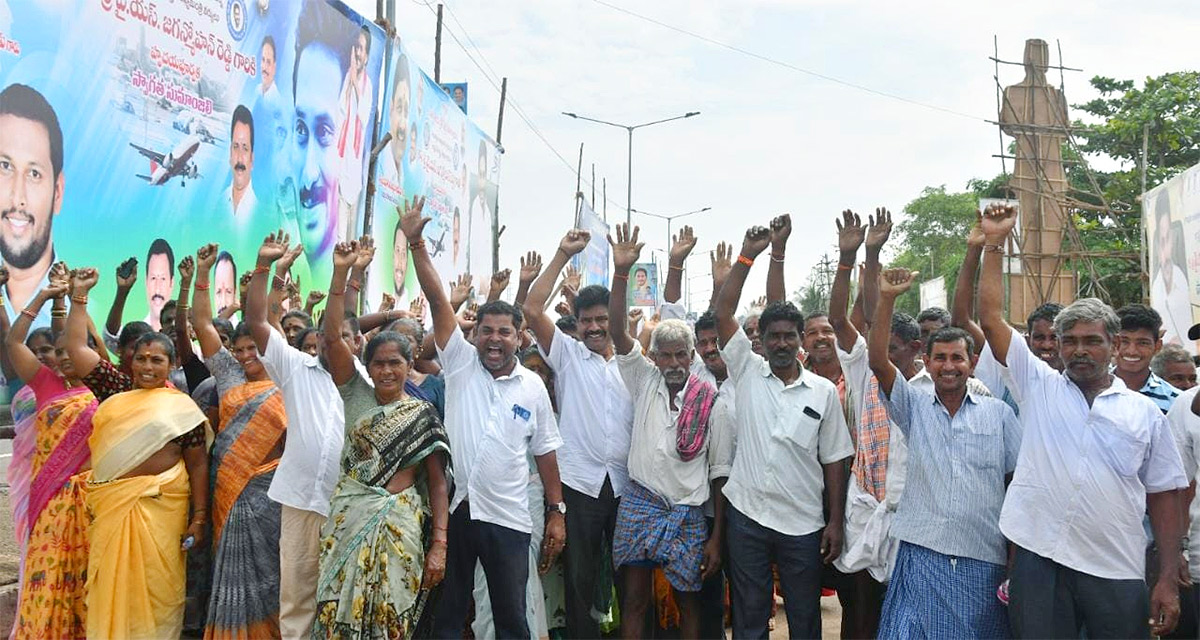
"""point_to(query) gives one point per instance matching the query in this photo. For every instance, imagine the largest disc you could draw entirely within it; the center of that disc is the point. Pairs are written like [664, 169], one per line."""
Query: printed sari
[136, 568]
[245, 581]
[53, 526]
[373, 544]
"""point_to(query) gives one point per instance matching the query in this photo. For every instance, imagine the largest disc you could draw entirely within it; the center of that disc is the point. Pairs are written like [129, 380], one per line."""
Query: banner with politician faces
[145, 129]
[435, 151]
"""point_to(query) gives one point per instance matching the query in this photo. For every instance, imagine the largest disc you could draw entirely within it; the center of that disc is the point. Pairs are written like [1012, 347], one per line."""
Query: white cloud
[769, 139]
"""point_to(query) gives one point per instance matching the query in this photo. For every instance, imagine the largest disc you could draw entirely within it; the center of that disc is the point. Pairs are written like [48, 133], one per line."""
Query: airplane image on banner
[178, 162]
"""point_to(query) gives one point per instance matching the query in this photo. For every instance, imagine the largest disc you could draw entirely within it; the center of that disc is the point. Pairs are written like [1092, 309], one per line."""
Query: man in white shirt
[354, 105]
[1096, 456]
[240, 194]
[791, 444]
[1185, 426]
[597, 419]
[308, 470]
[497, 413]
[660, 522]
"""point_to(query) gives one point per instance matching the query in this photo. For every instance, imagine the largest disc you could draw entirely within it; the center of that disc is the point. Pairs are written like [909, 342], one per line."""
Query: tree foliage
[932, 238]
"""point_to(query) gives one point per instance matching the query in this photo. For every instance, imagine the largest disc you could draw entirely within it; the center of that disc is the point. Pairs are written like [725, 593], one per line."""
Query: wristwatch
[560, 507]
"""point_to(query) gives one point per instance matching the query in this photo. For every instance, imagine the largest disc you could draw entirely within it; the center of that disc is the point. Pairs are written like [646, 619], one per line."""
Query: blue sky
[769, 140]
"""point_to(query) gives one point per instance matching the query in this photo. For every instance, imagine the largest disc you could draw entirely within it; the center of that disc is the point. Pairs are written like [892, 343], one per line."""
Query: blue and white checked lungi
[650, 530]
[932, 595]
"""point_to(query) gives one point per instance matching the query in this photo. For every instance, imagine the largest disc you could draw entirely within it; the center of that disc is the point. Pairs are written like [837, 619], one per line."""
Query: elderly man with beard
[597, 418]
[31, 194]
[660, 521]
[497, 414]
[791, 443]
[1096, 457]
[961, 447]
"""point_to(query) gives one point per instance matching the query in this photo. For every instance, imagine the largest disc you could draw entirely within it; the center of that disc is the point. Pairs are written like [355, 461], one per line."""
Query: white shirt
[1185, 426]
[596, 416]
[784, 434]
[995, 376]
[654, 460]
[308, 470]
[494, 424]
[1079, 491]
[856, 369]
[1174, 306]
[243, 211]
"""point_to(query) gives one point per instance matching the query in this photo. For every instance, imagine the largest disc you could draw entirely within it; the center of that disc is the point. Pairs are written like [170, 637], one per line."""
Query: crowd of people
[486, 468]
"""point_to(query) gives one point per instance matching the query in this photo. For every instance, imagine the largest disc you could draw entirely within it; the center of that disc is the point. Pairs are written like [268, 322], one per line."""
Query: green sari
[373, 543]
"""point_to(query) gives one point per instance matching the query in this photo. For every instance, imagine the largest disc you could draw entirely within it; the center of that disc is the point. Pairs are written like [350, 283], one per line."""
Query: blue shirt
[1160, 391]
[956, 469]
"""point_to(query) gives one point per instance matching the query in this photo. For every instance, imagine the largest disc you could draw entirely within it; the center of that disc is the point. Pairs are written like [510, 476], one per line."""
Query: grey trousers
[1048, 600]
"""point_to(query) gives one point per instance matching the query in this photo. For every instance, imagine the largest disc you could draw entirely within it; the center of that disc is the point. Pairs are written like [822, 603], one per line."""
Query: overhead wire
[787, 65]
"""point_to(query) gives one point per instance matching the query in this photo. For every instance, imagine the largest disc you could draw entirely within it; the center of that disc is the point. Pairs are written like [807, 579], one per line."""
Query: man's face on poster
[399, 261]
[241, 156]
[359, 55]
[30, 195]
[267, 67]
[1163, 233]
[224, 284]
[458, 96]
[399, 121]
[640, 278]
[315, 151]
[158, 282]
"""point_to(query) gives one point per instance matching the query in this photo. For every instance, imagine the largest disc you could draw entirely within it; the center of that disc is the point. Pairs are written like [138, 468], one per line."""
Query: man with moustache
[660, 521]
[792, 442]
[596, 418]
[160, 280]
[31, 192]
[320, 63]
[240, 194]
[355, 117]
[1096, 456]
[498, 413]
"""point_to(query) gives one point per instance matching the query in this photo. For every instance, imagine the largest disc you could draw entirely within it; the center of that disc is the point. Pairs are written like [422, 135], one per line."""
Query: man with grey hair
[1174, 364]
[1096, 455]
[660, 521]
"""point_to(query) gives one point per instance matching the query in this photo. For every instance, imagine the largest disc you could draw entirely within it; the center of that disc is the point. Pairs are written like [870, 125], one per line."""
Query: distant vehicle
[178, 162]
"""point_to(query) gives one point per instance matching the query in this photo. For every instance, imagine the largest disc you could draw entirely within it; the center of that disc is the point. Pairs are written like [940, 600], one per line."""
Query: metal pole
[629, 182]
[669, 221]
[496, 213]
[503, 97]
[437, 49]
[604, 192]
[1144, 265]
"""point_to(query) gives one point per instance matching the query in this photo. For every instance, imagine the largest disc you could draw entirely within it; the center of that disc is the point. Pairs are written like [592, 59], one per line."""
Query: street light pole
[669, 220]
[629, 129]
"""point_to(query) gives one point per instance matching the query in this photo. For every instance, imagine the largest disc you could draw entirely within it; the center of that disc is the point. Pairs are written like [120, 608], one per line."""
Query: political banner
[147, 129]
[642, 290]
[593, 261]
[457, 92]
[1171, 219]
[435, 152]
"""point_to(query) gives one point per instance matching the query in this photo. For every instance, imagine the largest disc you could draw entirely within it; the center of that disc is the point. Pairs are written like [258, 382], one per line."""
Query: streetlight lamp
[630, 128]
[669, 220]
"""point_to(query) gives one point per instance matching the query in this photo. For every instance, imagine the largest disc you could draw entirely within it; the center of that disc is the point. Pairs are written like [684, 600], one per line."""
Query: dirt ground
[8, 544]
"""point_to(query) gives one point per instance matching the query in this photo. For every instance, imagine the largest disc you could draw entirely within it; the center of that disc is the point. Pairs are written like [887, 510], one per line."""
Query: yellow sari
[136, 568]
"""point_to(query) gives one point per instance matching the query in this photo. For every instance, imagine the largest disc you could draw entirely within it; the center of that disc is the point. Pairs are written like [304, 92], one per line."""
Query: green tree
[932, 238]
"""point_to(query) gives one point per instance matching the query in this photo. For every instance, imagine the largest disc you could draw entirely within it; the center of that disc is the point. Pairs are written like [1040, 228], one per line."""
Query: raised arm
[206, 333]
[755, 242]
[851, 234]
[681, 247]
[24, 362]
[183, 344]
[5, 363]
[363, 256]
[126, 276]
[781, 228]
[892, 283]
[531, 266]
[412, 225]
[625, 252]
[721, 261]
[535, 306]
[498, 283]
[83, 358]
[962, 311]
[314, 298]
[878, 232]
[337, 352]
[273, 248]
[58, 310]
[997, 223]
[460, 291]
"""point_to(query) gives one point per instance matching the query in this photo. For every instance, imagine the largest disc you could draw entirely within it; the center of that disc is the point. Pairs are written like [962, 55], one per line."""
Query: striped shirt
[956, 468]
[1160, 391]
